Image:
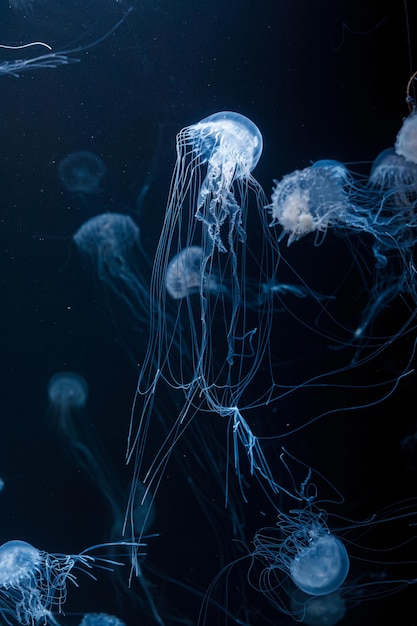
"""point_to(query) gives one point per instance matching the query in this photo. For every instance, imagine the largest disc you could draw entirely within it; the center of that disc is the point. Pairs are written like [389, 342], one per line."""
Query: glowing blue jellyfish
[110, 247]
[101, 619]
[66, 391]
[67, 394]
[314, 558]
[406, 142]
[310, 200]
[82, 172]
[326, 610]
[33, 583]
[202, 253]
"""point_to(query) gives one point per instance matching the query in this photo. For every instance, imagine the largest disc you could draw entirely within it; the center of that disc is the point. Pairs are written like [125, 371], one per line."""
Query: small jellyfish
[314, 558]
[66, 391]
[326, 610]
[184, 277]
[212, 287]
[101, 619]
[67, 394]
[82, 172]
[33, 583]
[110, 247]
[406, 142]
[396, 177]
[310, 200]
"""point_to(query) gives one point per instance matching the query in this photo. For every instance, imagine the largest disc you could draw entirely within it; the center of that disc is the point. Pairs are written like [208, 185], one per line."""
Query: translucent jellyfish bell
[67, 390]
[67, 394]
[82, 172]
[101, 619]
[183, 276]
[396, 177]
[310, 200]
[321, 566]
[33, 583]
[315, 559]
[406, 142]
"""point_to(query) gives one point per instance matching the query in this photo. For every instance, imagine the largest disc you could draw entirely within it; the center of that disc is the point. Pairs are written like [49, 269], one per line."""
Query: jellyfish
[33, 583]
[406, 142]
[328, 195]
[82, 172]
[203, 251]
[101, 619]
[67, 394]
[110, 248]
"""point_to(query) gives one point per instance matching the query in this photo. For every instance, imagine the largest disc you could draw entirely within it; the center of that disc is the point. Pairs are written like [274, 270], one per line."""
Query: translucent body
[67, 390]
[183, 275]
[33, 583]
[326, 610]
[109, 245]
[82, 172]
[406, 142]
[310, 200]
[214, 349]
[315, 559]
[101, 619]
[321, 566]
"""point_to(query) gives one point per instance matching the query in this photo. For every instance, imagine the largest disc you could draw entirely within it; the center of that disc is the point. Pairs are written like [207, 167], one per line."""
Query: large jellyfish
[207, 214]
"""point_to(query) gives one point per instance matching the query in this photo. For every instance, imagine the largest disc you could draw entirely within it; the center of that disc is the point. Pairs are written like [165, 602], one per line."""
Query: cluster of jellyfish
[209, 309]
[203, 318]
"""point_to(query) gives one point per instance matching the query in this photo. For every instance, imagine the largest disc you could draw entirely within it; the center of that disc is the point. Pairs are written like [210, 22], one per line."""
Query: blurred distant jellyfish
[101, 619]
[82, 172]
[184, 277]
[326, 610]
[406, 142]
[33, 583]
[110, 247]
[397, 177]
[68, 393]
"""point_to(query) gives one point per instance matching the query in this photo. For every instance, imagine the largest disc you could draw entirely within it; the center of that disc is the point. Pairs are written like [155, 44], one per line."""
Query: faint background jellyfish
[82, 172]
[184, 277]
[326, 610]
[110, 248]
[100, 619]
[397, 177]
[67, 393]
[406, 142]
[213, 175]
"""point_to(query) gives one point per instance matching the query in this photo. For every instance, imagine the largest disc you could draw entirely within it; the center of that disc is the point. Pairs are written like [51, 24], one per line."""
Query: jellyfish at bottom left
[33, 583]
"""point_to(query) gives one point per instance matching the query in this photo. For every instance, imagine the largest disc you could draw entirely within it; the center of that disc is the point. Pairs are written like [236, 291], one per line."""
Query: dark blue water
[316, 90]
